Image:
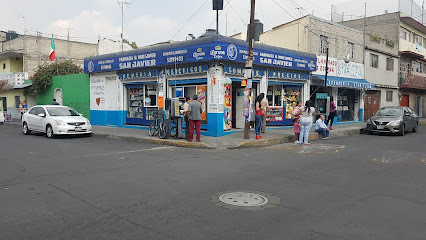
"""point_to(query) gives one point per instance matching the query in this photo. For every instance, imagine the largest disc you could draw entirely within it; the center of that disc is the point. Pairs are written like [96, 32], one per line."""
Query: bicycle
[158, 126]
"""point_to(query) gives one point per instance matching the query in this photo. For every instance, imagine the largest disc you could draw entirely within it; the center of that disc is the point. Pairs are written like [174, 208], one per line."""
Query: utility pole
[68, 43]
[423, 8]
[24, 56]
[365, 25]
[121, 3]
[249, 65]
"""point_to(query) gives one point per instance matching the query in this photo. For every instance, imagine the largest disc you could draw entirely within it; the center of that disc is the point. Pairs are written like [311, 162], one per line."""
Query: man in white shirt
[321, 127]
[186, 115]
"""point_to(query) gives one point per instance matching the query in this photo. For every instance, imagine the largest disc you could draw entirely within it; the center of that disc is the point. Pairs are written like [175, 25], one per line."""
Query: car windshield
[389, 112]
[61, 111]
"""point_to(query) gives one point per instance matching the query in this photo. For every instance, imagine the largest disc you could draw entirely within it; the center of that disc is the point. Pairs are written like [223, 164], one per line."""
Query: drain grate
[245, 200]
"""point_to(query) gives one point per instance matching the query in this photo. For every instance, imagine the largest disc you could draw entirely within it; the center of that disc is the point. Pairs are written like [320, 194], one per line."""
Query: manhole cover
[243, 199]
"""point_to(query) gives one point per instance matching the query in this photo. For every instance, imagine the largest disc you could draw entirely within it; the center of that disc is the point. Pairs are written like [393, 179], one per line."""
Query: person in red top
[259, 115]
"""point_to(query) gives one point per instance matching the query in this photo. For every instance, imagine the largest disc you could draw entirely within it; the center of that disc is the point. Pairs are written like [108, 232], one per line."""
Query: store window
[374, 60]
[274, 95]
[150, 95]
[136, 99]
[323, 44]
[291, 97]
[389, 64]
[389, 96]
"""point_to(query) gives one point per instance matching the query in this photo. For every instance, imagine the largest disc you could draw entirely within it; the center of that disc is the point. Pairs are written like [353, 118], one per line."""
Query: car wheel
[49, 132]
[415, 129]
[402, 130]
[25, 129]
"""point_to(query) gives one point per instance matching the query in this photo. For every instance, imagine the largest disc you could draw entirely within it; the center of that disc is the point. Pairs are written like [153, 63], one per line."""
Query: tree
[4, 86]
[133, 44]
[42, 78]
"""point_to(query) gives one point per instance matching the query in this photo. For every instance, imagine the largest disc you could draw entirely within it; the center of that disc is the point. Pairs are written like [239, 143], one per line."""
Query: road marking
[124, 152]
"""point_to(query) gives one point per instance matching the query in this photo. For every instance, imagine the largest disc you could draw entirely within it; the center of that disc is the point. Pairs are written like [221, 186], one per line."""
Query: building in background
[397, 32]
[20, 56]
[381, 60]
[69, 90]
[346, 80]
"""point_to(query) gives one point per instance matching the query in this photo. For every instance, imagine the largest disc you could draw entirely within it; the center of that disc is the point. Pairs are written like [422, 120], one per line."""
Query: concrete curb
[159, 141]
[262, 143]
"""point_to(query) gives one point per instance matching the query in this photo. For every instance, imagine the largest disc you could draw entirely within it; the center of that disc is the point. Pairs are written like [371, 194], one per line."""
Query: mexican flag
[52, 50]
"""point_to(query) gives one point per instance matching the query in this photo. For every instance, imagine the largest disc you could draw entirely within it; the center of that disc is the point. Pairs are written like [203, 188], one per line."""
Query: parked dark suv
[393, 120]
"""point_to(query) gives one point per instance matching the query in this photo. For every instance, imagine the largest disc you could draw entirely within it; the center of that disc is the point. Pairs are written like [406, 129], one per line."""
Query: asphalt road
[358, 187]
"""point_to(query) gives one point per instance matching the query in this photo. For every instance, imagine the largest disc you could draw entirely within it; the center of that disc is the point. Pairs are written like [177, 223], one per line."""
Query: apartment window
[351, 49]
[324, 44]
[374, 61]
[417, 67]
[424, 42]
[389, 64]
[4, 65]
[417, 39]
[404, 34]
[389, 96]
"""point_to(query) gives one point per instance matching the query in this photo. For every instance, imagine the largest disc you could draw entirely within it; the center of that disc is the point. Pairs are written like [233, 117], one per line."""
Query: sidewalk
[273, 136]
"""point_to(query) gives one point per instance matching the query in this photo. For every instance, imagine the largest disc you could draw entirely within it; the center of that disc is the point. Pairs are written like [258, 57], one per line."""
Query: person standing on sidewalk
[320, 127]
[296, 111]
[186, 116]
[259, 115]
[264, 105]
[306, 114]
[330, 119]
[195, 109]
[297, 129]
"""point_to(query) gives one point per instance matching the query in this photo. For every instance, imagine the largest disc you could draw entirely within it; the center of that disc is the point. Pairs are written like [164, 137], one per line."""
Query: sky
[148, 22]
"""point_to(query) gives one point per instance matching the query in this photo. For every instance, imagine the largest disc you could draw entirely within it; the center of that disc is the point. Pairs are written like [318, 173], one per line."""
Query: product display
[150, 95]
[290, 99]
[274, 114]
[151, 113]
[135, 103]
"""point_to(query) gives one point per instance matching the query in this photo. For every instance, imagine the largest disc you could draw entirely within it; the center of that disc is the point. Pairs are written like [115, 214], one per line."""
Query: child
[296, 129]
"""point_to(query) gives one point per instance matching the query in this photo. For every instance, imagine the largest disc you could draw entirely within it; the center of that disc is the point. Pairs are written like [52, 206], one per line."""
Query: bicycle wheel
[162, 130]
[152, 130]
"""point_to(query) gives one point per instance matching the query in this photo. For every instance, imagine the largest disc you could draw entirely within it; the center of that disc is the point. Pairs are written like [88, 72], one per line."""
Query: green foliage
[389, 42]
[375, 37]
[133, 44]
[42, 78]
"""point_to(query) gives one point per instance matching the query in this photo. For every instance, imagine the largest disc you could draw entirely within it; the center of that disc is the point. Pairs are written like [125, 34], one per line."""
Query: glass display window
[136, 103]
[274, 95]
[150, 95]
[290, 98]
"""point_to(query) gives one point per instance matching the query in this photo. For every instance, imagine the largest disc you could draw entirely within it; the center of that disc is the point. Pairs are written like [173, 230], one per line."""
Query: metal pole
[326, 67]
[249, 63]
[365, 24]
[217, 21]
[122, 26]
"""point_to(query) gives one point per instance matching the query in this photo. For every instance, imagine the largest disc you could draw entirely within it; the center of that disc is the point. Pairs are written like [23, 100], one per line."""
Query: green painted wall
[75, 92]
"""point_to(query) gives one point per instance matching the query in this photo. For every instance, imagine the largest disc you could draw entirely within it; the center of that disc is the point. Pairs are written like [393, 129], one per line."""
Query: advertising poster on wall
[201, 93]
[179, 92]
[227, 113]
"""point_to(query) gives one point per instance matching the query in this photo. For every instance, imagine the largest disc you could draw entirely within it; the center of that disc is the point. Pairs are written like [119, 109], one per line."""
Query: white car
[55, 120]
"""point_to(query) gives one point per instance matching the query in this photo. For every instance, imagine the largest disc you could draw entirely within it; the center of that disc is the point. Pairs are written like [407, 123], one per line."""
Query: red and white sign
[332, 66]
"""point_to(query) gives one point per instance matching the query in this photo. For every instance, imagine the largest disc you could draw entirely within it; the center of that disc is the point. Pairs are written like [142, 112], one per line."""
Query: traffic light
[217, 4]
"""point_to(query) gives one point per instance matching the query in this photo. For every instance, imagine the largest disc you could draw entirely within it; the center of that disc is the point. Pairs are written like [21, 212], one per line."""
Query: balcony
[412, 81]
[14, 79]
[410, 49]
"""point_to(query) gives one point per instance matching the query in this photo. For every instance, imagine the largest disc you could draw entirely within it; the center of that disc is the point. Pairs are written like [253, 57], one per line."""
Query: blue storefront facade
[129, 88]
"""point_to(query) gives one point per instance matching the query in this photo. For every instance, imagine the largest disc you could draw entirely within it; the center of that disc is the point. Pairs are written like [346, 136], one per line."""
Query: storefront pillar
[361, 105]
[215, 100]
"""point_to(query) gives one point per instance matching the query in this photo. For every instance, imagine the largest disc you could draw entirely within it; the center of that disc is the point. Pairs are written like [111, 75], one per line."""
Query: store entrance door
[405, 101]
[239, 107]
[346, 105]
